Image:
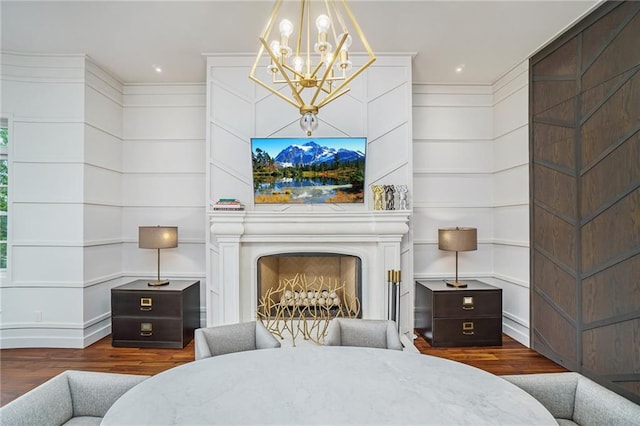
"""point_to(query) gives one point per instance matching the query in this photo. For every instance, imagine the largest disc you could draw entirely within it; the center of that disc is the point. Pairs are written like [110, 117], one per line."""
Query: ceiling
[127, 38]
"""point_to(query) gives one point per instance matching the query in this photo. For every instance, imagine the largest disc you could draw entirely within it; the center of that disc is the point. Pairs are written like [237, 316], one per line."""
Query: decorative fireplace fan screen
[299, 293]
[298, 306]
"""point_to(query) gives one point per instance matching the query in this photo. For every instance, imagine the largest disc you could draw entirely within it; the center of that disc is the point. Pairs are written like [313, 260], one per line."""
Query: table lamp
[158, 237]
[457, 239]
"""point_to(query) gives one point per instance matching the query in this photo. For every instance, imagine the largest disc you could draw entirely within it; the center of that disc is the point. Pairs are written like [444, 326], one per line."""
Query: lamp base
[158, 282]
[456, 284]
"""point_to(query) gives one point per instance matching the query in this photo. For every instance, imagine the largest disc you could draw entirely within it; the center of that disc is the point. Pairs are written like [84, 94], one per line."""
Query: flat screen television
[308, 170]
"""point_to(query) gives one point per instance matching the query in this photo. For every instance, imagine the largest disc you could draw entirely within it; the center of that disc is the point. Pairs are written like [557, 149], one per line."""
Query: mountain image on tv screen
[308, 170]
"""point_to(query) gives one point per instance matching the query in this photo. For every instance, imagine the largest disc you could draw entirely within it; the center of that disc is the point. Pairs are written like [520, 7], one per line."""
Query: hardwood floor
[510, 358]
[24, 369]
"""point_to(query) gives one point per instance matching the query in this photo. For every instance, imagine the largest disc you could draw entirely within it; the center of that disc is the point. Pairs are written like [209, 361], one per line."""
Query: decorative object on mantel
[325, 72]
[227, 204]
[378, 193]
[301, 306]
[158, 237]
[402, 191]
[384, 197]
[389, 197]
[394, 279]
[457, 239]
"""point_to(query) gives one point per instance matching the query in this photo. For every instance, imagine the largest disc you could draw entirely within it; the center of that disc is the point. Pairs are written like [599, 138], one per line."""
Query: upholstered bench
[573, 399]
[70, 398]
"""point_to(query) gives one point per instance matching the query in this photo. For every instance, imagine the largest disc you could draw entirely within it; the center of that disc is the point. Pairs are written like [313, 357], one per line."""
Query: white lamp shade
[157, 237]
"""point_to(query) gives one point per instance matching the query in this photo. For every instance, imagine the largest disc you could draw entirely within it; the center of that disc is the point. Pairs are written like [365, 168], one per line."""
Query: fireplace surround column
[226, 270]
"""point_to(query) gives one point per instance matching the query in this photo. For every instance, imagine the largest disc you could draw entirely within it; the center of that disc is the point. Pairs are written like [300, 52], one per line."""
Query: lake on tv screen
[308, 170]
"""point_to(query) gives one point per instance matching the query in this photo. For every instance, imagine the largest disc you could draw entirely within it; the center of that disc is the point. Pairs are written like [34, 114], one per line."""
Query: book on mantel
[227, 204]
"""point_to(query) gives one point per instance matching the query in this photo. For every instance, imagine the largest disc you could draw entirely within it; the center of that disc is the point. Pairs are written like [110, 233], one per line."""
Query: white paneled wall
[378, 106]
[453, 164]
[58, 186]
[163, 178]
[511, 199]
[102, 198]
[470, 146]
[90, 161]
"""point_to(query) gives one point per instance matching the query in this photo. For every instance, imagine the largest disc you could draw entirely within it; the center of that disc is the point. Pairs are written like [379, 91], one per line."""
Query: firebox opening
[331, 281]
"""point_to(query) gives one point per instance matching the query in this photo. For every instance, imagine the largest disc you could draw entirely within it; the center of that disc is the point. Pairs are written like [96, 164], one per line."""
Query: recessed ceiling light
[459, 69]
[157, 68]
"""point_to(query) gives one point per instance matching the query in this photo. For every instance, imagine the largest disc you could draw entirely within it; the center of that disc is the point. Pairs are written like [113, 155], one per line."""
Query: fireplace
[315, 283]
[240, 239]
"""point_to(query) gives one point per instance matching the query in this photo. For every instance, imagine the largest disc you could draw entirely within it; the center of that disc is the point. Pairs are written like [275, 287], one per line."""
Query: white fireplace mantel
[270, 226]
[239, 239]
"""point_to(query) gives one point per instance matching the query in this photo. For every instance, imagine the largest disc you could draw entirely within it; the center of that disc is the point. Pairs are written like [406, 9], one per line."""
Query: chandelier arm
[316, 69]
[299, 41]
[275, 92]
[328, 70]
[333, 27]
[335, 95]
[255, 63]
[345, 34]
[272, 19]
[346, 81]
[339, 15]
[327, 91]
[315, 95]
[292, 70]
[321, 86]
[265, 34]
[358, 30]
[308, 38]
[284, 74]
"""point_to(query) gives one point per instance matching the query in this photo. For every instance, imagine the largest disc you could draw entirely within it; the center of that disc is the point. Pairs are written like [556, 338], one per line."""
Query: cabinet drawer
[140, 303]
[467, 332]
[467, 304]
[153, 330]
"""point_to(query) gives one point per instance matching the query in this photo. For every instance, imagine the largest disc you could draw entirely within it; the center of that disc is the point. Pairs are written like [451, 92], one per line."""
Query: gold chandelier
[316, 71]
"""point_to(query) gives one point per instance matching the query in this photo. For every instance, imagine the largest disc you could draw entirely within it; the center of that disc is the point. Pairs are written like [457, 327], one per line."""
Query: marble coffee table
[328, 386]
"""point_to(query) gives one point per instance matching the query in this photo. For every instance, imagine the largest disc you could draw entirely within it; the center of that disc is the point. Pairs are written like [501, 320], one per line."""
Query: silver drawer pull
[467, 328]
[467, 303]
[146, 303]
[146, 329]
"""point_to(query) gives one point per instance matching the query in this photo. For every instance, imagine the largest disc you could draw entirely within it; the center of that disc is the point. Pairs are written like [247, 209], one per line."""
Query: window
[4, 190]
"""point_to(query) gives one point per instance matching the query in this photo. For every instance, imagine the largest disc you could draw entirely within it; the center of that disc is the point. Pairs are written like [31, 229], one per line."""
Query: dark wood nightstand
[154, 317]
[448, 316]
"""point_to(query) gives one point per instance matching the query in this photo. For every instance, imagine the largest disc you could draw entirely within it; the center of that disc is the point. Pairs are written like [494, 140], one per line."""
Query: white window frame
[5, 122]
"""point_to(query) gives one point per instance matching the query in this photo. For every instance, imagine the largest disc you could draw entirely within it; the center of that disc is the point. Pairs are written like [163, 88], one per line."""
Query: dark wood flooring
[24, 369]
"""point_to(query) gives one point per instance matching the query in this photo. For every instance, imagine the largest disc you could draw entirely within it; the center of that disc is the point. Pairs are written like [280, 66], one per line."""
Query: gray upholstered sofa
[573, 399]
[70, 398]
